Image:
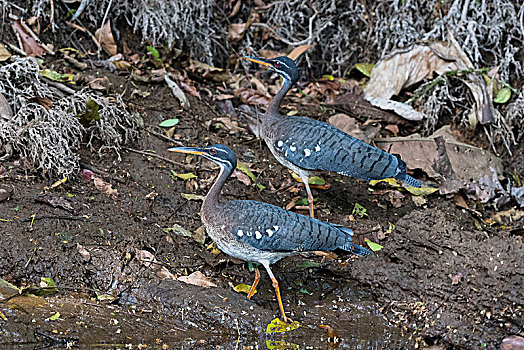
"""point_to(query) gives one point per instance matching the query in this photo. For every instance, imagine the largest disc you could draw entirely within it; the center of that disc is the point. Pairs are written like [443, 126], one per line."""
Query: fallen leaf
[2, 316]
[503, 95]
[86, 256]
[242, 177]
[197, 278]
[177, 92]
[281, 345]
[403, 69]
[99, 84]
[52, 75]
[148, 260]
[364, 68]
[372, 245]
[278, 326]
[169, 123]
[191, 196]
[244, 288]
[298, 51]
[236, 32]
[245, 169]
[86, 175]
[105, 36]
[29, 44]
[185, 176]
[456, 279]
[55, 317]
[347, 124]
[252, 97]
[4, 54]
[468, 162]
[103, 186]
[57, 202]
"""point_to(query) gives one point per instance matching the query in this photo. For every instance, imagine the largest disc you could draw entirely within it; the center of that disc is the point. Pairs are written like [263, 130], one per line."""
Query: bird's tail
[408, 180]
[402, 176]
[357, 249]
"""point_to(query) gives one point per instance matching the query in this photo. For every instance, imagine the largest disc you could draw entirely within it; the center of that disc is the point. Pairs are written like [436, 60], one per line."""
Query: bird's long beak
[190, 150]
[262, 61]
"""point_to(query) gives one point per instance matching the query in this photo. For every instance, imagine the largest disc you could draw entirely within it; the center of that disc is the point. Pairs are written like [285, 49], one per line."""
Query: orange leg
[277, 291]
[255, 283]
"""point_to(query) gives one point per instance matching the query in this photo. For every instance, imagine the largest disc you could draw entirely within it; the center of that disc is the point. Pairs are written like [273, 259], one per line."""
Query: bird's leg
[305, 180]
[255, 283]
[277, 291]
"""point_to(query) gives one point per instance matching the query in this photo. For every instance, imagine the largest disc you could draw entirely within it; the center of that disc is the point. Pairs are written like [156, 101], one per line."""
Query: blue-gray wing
[314, 145]
[271, 228]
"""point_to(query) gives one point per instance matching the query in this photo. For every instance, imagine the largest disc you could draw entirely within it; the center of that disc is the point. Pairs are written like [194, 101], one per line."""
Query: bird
[261, 232]
[306, 145]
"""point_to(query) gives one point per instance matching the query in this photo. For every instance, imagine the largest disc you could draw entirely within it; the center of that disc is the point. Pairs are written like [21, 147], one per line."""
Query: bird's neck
[211, 201]
[274, 106]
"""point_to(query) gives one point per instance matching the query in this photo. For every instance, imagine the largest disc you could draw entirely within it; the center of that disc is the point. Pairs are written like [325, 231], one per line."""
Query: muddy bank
[448, 282]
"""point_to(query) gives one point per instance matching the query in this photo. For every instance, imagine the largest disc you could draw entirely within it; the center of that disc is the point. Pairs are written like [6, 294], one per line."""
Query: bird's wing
[314, 145]
[268, 227]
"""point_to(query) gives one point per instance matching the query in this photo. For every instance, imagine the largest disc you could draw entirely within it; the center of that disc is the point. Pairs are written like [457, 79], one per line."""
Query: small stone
[513, 342]
[4, 195]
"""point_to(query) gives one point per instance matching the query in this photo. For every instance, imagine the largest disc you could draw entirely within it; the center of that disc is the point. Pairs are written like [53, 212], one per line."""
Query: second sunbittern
[306, 145]
[261, 232]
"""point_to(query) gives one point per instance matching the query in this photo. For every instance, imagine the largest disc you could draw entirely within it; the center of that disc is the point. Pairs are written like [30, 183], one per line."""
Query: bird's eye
[212, 151]
[276, 64]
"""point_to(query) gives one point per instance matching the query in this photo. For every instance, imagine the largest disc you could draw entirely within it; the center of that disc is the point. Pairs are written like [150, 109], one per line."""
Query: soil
[444, 277]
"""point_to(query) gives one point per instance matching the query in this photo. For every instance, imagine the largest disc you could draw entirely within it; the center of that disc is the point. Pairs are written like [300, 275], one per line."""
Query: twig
[80, 10]
[156, 156]
[164, 137]
[16, 49]
[52, 19]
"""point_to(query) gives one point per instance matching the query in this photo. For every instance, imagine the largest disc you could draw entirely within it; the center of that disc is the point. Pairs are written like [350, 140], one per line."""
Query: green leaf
[359, 210]
[277, 326]
[503, 95]
[243, 288]
[304, 290]
[281, 345]
[52, 75]
[154, 52]
[54, 317]
[328, 77]
[364, 68]
[185, 176]
[243, 168]
[302, 201]
[191, 196]
[306, 264]
[5, 284]
[373, 246]
[169, 123]
[315, 180]
[91, 113]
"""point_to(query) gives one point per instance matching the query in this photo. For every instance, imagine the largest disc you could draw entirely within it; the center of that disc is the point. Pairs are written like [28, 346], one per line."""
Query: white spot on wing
[317, 148]
[280, 143]
[249, 233]
[240, 233]
[276, 228]
[292, 148]
[258, 235]
[307, 152]
[269, 232]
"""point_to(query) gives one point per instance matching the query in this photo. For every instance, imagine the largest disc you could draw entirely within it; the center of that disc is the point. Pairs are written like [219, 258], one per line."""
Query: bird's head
[219, 154]
[283, 65]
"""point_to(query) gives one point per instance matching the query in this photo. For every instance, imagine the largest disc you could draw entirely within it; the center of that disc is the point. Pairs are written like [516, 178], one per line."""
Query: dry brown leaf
[177, 92]
[236, 8]
[4, 54]
[106, 38]
[197, 278]
[5, 110]
[236, 32]
[242, 177]
[29, 44]
[347, 124]
[148, 260]
[103, 186]
[86, 256]
[252, 97]
[406, 68]
[100, 84]
[298, 51]
[468, 162]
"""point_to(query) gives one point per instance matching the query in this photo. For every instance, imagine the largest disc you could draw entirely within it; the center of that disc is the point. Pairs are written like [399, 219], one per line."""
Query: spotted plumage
[306, 145]
[261, 232]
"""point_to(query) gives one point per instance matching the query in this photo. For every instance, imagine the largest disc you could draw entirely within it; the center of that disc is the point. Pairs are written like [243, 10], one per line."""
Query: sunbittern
[261, 232]
[306, 145]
